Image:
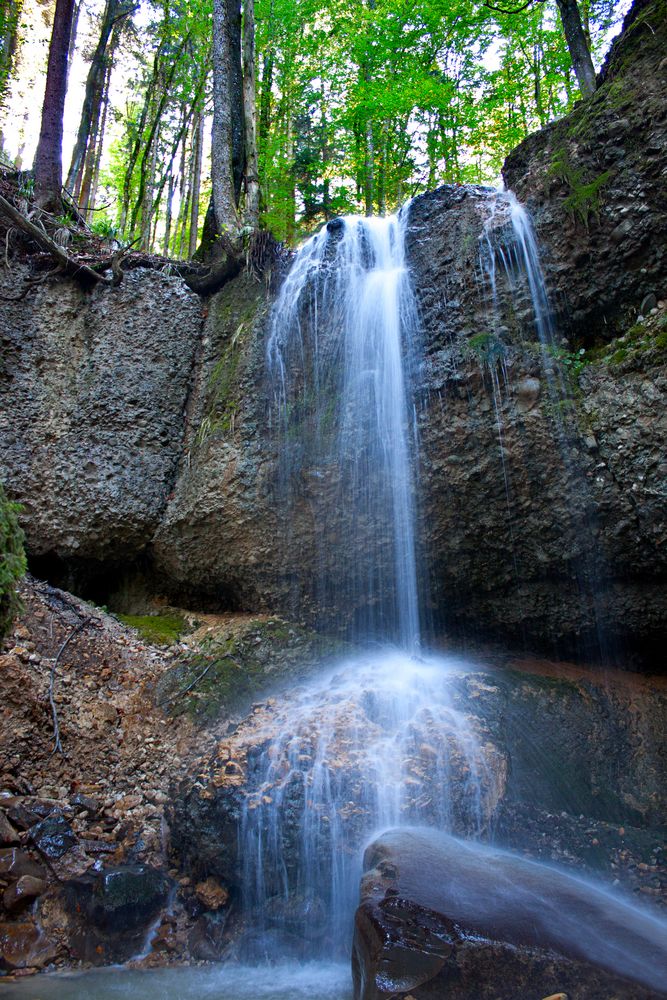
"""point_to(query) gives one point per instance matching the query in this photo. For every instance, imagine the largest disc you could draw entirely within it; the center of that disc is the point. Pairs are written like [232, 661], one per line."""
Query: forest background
[211, 118]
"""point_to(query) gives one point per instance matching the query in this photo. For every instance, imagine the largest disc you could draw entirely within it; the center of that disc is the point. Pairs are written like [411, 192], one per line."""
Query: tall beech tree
[250, 117]
[10, 13]
[48, 163]
[227, 153]
[575, 37]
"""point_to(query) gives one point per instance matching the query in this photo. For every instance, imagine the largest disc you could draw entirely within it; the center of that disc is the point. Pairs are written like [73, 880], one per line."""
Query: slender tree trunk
[8, 42]
[170, 205]
[250, 117]
[162, 89]
[72, 37]
[48, 165]
[183, 220]
[225, 122]
[135, 146]
[100, 143]
[147, 203]
[582, 64]
[382, 187]
[195, 183]
[290, 210]
[369, 166]
[83, 189]
[114, 12]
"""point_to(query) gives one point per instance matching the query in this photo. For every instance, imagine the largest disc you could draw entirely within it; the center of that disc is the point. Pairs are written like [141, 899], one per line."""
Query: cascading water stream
[342, 342]
[520, 259]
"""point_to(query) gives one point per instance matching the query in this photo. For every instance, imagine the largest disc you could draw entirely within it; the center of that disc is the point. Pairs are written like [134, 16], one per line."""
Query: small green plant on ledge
[584, 198]
[486, 347]
[574, 361]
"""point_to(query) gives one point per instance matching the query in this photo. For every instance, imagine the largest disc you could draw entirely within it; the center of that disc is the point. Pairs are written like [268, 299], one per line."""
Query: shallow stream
[309, 981]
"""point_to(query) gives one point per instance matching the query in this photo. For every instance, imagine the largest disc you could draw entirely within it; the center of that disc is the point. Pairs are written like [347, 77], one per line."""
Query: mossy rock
[160, 630]
[225, 673]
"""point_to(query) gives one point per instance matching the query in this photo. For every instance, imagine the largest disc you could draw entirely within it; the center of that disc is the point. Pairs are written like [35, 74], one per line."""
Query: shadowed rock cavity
[445, 917]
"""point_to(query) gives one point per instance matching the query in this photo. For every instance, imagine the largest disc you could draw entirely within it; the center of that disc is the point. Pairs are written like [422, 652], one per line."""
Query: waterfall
[520, 258]
[376, 741]
[341, 349]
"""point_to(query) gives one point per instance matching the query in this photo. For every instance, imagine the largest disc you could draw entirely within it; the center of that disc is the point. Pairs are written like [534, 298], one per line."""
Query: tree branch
[511, 10]
[57, 745]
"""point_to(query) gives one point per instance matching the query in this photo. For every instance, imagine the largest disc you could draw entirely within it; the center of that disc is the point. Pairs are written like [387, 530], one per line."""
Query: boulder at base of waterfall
[441, 916]
[112, 911]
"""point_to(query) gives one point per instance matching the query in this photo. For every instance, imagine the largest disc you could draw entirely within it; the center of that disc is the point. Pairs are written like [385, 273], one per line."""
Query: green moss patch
[12, 560]
[160, 630]
[226, 672]
[642, 340]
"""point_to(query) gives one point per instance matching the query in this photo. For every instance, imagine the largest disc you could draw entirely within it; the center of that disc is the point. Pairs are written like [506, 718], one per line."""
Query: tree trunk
[83, 188]
[369, 166]
[48, 165]
[147, 203]
[90, 206]
[163, 86]
[114, 12]
[72, 37]
[250, 117]
[135, 148]
[167, 221]
[195, 184]
[8, 42]
[582, 64]
[226, 121]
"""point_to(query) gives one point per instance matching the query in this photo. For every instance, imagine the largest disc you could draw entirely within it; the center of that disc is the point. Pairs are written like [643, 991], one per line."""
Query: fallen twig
[57, 745]
[198, 678]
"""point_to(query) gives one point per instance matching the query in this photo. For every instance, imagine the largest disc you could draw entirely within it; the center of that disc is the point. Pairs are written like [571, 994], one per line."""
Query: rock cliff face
[595, 184]
[542, 506]
[138, 435]
[93, 388]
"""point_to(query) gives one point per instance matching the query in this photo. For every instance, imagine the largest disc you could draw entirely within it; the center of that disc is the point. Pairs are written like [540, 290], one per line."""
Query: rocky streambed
[128, 842]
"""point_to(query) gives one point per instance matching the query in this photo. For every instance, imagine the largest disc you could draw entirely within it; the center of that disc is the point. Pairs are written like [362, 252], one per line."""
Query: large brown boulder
[445, 917]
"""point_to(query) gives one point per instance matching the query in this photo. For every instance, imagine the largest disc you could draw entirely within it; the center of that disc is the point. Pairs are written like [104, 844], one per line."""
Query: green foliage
[361, 104]
[486, 347]
[161, 630]
[10, 15]
[105, 227]
[12, 559]
[584, 198]
[649, 337]
[573, 361]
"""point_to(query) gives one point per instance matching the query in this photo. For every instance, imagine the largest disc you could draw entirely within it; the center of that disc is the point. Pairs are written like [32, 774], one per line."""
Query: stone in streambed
[207, 940]
[111, 912]
[441, 916]
[17, 863]
[53, 837]
[23, 946]
[211, 894]
[22, 893]
[8, 835]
